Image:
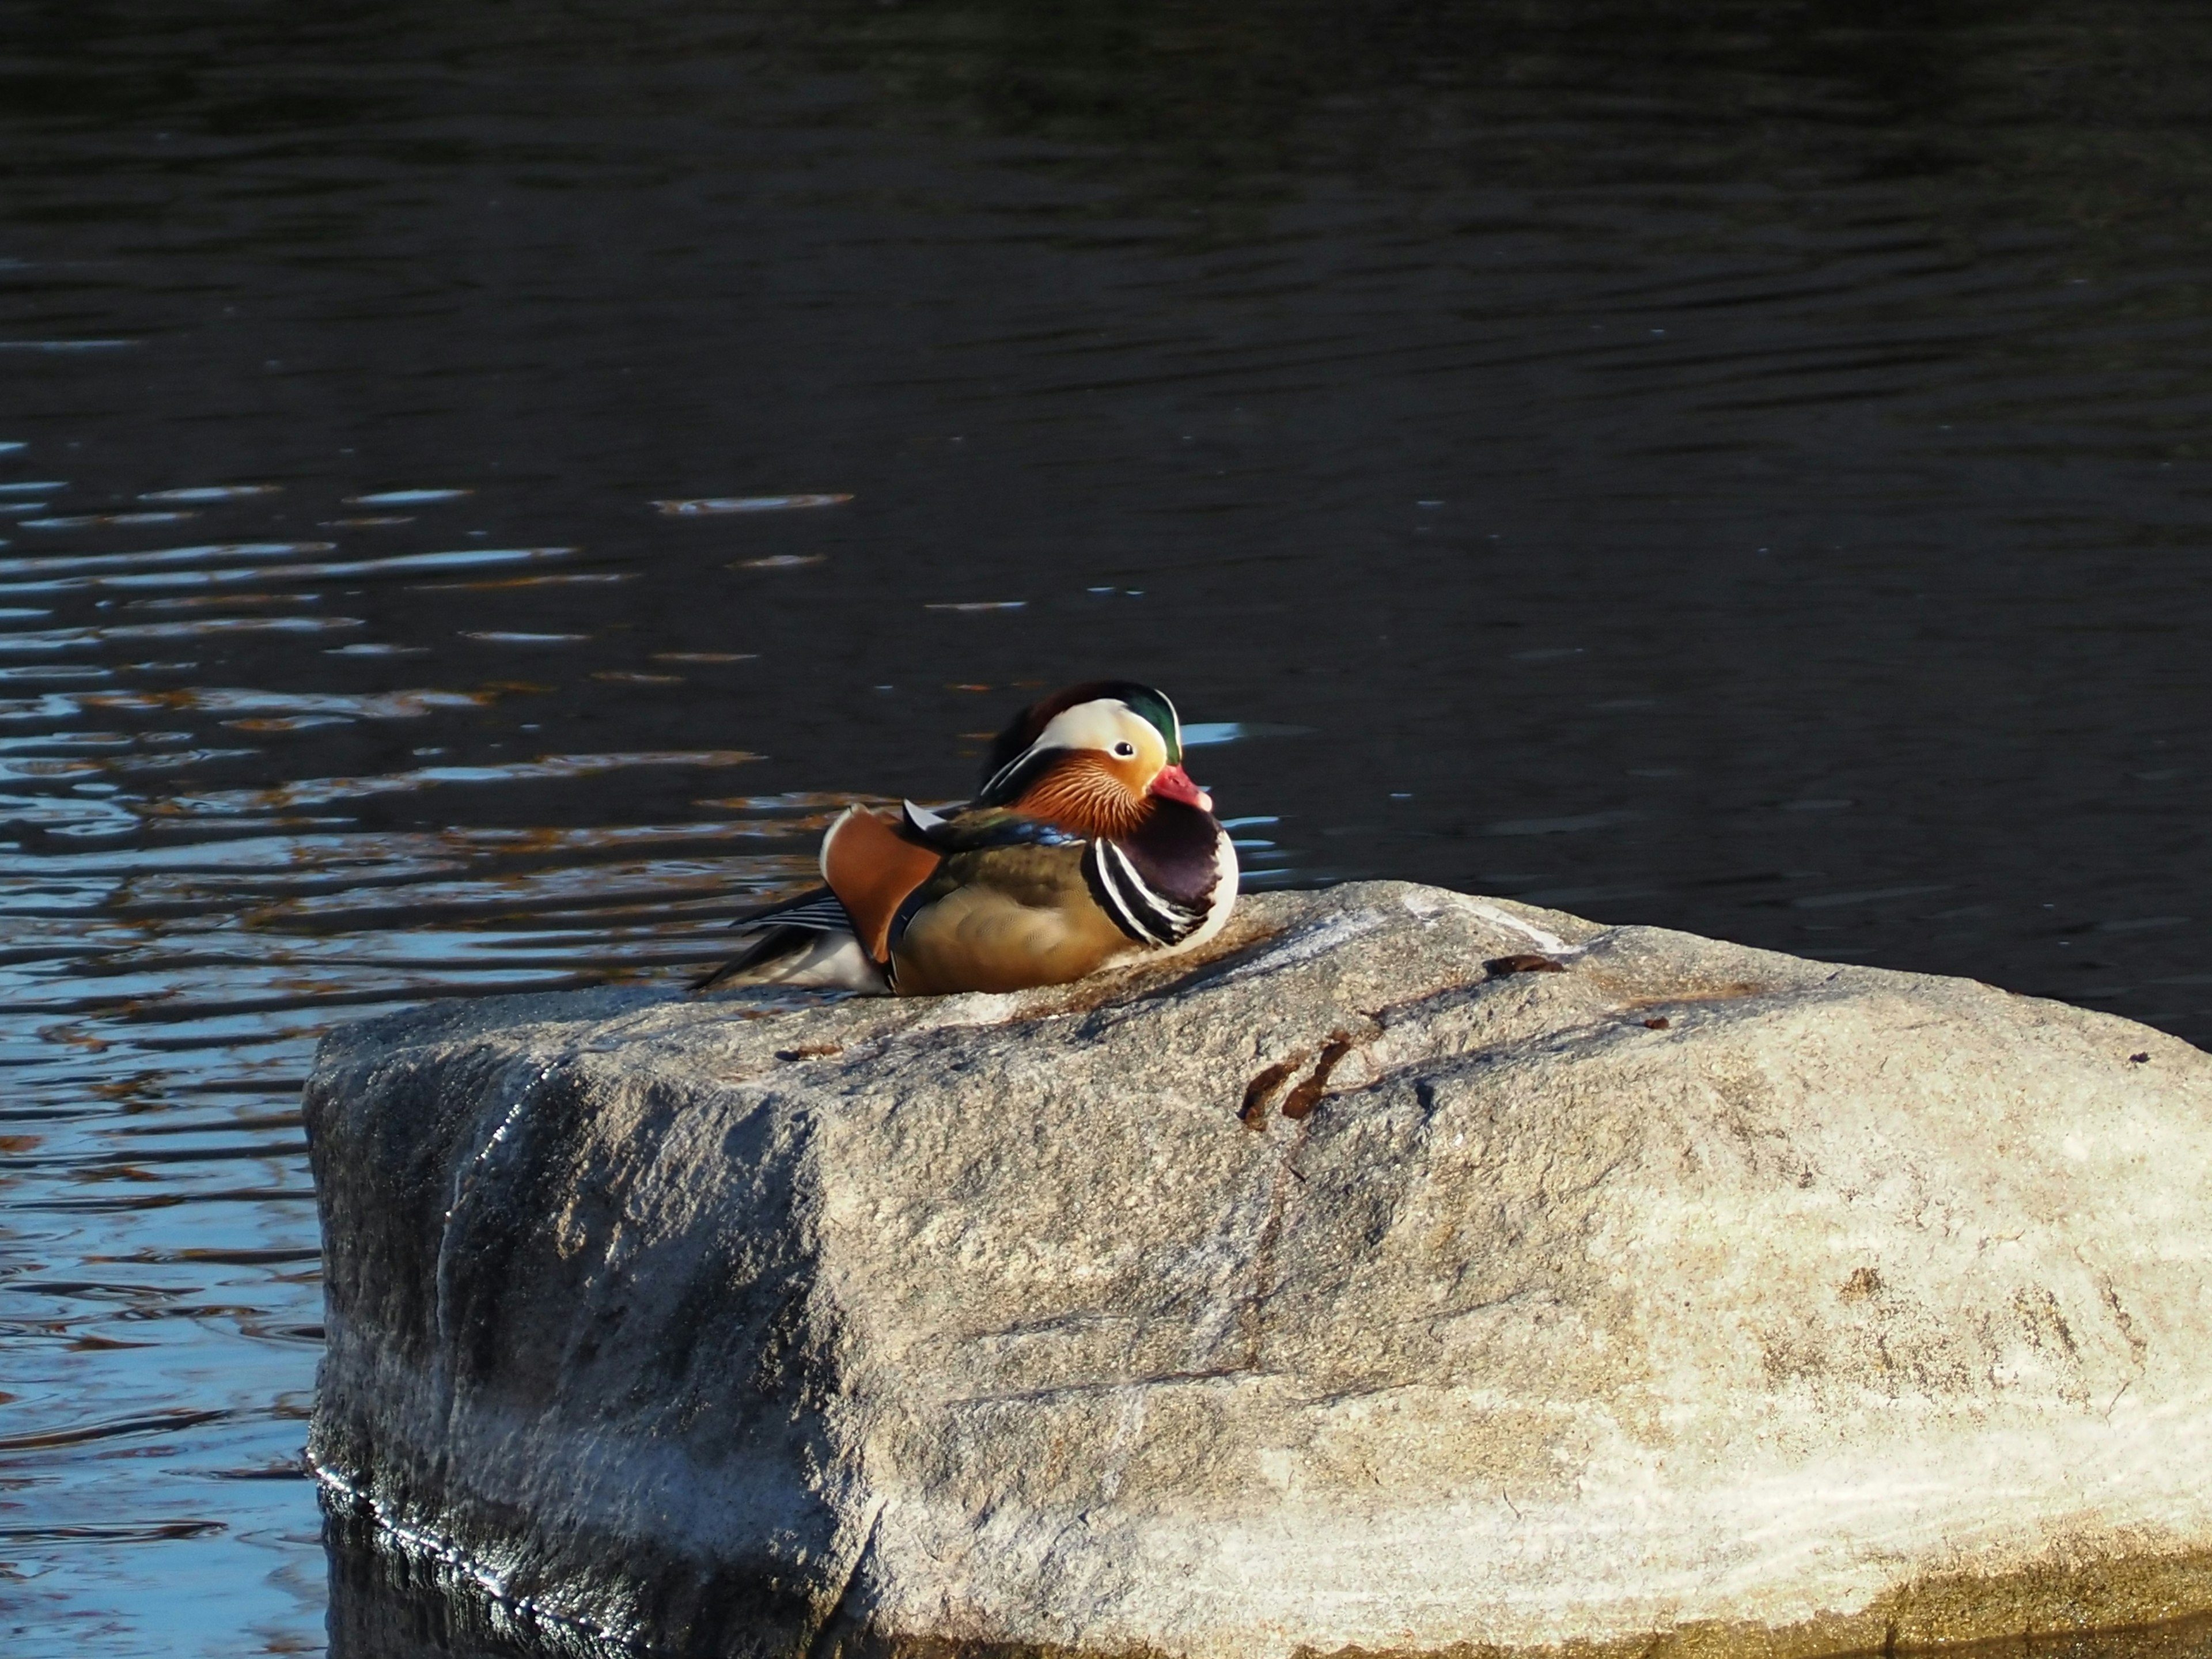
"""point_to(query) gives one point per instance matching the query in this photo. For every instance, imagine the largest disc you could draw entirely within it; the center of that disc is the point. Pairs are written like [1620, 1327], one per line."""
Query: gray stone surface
[1692, 1291]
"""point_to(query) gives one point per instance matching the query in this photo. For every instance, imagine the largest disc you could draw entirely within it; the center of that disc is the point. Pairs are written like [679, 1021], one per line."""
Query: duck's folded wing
[974, 829]
[817, 909]
[803, 940]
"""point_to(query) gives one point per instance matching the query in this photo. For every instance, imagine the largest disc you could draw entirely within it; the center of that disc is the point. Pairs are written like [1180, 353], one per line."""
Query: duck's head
[1096, 757]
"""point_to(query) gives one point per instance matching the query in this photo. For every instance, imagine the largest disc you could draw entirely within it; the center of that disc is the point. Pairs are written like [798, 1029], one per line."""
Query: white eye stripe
[1105, 726]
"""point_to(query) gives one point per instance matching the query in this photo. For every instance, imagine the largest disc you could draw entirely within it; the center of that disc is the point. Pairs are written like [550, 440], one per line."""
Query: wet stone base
[393, 1599]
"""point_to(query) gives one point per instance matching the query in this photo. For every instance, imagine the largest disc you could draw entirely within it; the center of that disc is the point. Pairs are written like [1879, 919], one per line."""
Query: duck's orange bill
[1173, 783]
[872, 868]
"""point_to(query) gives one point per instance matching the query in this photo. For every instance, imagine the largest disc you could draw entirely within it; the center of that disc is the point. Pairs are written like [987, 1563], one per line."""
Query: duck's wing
[974, 829]
[808, 941]
[1024, 860]
[1008, 910]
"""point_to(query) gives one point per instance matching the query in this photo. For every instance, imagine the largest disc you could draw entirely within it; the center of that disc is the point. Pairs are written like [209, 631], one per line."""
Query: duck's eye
[1125, 748]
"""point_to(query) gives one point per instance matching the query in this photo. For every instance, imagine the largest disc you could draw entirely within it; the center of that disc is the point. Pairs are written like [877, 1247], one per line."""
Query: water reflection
[407, 498]
[713, 505]
[174, 949]
[1717, 465]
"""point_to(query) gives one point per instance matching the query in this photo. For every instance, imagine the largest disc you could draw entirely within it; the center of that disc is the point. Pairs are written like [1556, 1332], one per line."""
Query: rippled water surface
[479, 485]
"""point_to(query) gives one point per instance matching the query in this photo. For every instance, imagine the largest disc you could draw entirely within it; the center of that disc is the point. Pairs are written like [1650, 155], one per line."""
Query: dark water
[1742, 467]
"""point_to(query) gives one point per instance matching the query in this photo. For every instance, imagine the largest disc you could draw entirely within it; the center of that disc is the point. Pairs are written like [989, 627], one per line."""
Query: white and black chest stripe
[1149, 916]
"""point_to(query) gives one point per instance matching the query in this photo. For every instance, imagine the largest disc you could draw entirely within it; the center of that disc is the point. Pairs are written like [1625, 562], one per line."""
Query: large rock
[1336, 1293]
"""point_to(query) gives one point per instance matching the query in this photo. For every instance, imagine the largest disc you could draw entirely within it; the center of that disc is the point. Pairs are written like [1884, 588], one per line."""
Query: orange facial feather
[1089, 794]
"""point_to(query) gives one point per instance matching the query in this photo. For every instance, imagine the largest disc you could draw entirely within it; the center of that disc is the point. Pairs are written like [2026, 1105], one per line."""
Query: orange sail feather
[872, 869]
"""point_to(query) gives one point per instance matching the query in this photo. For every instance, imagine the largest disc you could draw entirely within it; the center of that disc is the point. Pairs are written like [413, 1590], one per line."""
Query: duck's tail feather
[807, 941]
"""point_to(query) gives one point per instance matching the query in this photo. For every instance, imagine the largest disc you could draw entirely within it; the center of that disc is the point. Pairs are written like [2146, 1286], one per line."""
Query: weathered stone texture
[1693, 1289]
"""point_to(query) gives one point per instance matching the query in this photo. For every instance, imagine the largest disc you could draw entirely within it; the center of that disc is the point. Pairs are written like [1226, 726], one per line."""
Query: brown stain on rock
[1303, 1098]
[1253, 1114]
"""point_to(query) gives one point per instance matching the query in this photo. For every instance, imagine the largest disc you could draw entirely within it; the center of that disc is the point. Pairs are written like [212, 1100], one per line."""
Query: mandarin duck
[1087, 845]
